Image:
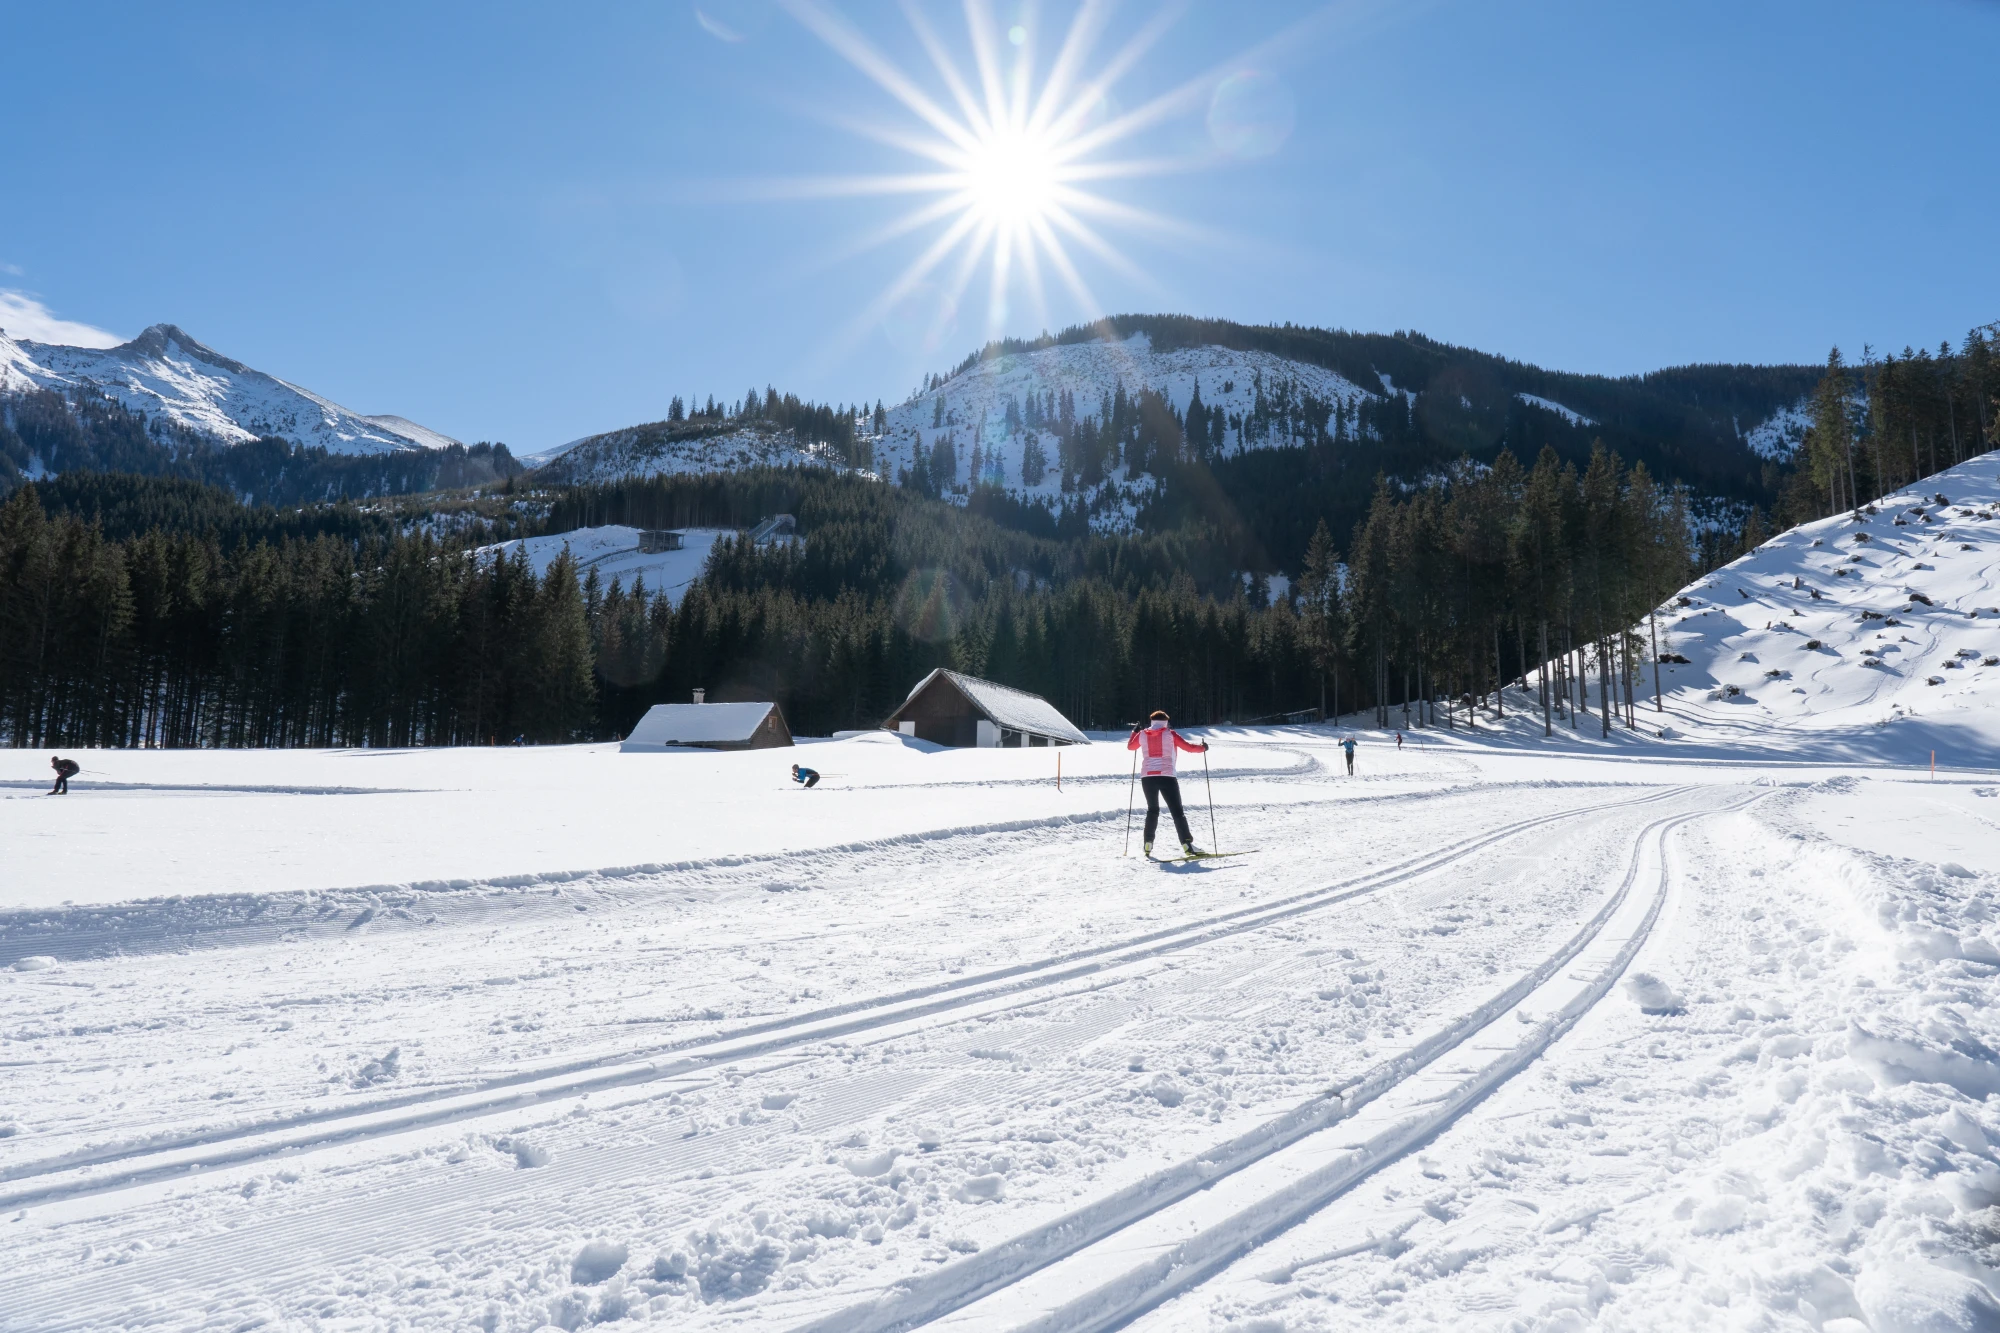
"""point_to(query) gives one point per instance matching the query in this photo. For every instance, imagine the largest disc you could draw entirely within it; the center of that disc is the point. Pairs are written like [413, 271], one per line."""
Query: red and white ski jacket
[1156, 745]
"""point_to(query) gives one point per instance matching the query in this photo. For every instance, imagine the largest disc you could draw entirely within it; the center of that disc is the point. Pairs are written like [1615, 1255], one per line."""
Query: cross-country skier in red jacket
[1156, 746]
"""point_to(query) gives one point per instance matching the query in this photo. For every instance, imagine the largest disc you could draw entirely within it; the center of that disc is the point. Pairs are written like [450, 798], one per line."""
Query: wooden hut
[952, 709]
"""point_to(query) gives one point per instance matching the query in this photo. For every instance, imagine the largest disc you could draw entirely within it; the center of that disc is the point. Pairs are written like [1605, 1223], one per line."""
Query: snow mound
[1652, 995]
[164, 375]
[598, 1261]
[1922, 1298]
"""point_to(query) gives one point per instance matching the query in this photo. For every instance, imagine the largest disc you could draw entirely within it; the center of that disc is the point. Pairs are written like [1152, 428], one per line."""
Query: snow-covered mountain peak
[163, 341]
[183, 386]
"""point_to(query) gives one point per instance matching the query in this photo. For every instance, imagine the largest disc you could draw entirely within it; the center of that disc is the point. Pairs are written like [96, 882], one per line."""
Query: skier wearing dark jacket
[1156, 745]
[65, 770]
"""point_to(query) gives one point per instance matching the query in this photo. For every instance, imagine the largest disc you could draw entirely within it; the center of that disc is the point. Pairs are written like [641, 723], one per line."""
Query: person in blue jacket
[1348, 746]
[805, 777]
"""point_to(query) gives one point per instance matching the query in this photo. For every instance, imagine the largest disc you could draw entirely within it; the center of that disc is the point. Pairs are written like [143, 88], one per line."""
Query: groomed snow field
[1667, 1032]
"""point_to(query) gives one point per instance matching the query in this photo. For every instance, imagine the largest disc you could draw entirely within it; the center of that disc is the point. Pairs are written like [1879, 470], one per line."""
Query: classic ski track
[998, 1272]
[156, 925]
[181, 1158]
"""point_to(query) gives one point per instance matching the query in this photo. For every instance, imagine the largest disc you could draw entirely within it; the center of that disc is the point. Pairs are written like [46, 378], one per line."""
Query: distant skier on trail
[805, 777]
[1156, 745]
[1348, 746]
[65, 770]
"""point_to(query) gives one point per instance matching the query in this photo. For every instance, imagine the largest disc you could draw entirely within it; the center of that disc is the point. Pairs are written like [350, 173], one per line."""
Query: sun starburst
[1013, 157]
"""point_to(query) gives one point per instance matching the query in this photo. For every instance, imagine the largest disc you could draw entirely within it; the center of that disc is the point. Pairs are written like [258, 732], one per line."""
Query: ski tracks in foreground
[1100, 1266]
[94, 1171]
[1031, 1266]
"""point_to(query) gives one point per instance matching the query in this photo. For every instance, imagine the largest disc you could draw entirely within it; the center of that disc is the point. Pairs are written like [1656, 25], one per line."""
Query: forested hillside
[342, 632]
[144, 606]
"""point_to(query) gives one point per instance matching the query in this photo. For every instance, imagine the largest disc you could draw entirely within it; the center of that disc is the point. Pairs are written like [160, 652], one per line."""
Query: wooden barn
[707, 726]
[952, 709]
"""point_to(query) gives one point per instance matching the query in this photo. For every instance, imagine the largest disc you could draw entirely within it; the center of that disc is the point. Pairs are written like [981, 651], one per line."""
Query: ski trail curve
[1102, 1265]
[124, 1166]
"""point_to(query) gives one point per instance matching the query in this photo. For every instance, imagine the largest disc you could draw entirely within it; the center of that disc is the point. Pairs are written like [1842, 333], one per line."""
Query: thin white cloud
[25, 319]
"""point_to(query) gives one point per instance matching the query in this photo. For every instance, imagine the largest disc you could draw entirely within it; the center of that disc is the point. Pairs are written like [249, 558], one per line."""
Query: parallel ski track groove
[518, 1090]
[930, 1297]
[1194, 1270]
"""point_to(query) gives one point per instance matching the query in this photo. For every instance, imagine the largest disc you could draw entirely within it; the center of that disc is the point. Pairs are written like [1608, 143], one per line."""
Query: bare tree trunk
[1605, 686]
[1548, 726]
[1653, 620]
[1580, 706]
[1499, 678]
[1625, 659]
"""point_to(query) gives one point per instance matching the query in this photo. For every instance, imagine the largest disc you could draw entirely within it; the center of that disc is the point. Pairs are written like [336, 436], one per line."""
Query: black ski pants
[1171, 789]
[62, 785]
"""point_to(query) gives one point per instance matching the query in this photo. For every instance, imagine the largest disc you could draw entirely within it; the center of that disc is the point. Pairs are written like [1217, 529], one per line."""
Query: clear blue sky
[526, 223]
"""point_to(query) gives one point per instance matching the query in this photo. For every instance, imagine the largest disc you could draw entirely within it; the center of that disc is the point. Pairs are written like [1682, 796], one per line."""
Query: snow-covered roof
[698, 724]
[1017, 710]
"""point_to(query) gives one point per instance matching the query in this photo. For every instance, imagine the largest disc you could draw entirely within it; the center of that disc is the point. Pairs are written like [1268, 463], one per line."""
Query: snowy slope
[1779, 436]
[613, 551]
[975, 400]
[1570, 415]
[1867, 630]
[663, 449]
[165, 375]
[971, 409]
[974, 408]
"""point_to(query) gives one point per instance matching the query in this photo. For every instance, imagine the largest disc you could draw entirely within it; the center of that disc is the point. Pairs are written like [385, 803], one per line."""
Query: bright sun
[1009, 153]
[1011, 179]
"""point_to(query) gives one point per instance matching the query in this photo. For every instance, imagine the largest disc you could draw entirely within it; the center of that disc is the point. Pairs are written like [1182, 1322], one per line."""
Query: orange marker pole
[1058, 770]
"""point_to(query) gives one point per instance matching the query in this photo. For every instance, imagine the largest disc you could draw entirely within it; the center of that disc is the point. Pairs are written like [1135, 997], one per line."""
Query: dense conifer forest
[143, 606]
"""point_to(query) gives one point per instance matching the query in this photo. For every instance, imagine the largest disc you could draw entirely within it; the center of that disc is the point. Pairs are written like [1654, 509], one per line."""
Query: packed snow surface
[166, 376]
[1503, 1032]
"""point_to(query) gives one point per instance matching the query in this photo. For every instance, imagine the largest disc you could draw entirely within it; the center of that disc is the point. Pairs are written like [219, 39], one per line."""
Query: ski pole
[1128, 802]
[1212, 840]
